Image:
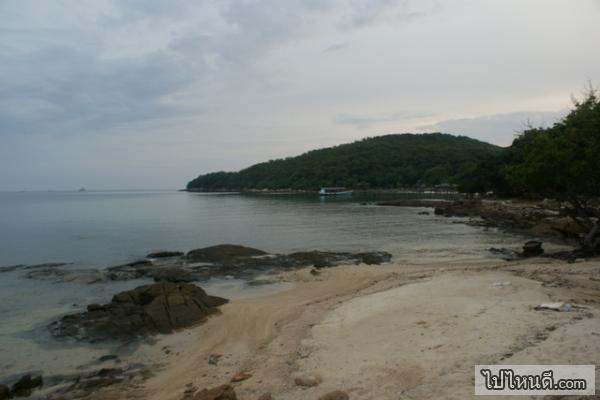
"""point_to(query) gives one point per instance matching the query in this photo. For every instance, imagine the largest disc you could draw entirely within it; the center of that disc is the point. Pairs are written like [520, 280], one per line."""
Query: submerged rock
[146, 310]
[222, 252]
[173, 275]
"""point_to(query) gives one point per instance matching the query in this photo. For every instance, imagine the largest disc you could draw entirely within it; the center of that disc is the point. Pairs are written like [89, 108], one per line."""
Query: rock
[307, 381]
[133, 270]
[4, 392]
[505, 254]
[24, 386]
[335, 395]
[241, 376]
[165, 254]
[157, 308]
[423, 213]
[266, 396]
[532, 248]
[375, 257]
[223, 392]
[315, 272]
[439, 211]
[108, 357]
[173, 275]
[213, 359]
[222, 252]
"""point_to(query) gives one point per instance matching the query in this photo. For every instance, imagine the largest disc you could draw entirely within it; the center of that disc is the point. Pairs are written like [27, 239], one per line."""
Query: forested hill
[389, 161]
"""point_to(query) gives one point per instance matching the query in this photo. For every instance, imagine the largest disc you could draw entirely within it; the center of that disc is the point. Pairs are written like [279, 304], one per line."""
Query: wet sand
[385, 332]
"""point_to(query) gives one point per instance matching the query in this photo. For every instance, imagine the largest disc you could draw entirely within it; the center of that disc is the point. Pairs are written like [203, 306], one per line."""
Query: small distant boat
[334, 191]
[82, 190]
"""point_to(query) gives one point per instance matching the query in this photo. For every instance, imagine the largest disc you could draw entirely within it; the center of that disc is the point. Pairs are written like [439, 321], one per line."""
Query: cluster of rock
[158, 308]
[226, 260]
[235, 261]
[73, 386]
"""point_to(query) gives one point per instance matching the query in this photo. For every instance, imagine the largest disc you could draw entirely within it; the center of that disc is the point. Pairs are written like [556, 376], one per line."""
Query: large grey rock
[146, 310]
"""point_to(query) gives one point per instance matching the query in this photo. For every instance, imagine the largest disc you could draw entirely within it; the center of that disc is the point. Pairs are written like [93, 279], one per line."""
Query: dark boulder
[222, 253]
[533, 248]
[25, 385]
[165, 254]
[146, 310]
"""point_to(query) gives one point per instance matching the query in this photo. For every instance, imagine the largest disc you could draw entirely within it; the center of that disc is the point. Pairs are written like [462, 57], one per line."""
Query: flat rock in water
[157, 308]
[222, 252]
[165, 254]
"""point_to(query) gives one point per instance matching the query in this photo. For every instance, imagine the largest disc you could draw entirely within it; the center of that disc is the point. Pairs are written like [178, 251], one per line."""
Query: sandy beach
[385, 332]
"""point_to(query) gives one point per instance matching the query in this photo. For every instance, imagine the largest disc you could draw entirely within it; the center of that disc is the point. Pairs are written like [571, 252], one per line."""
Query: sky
[131, 94]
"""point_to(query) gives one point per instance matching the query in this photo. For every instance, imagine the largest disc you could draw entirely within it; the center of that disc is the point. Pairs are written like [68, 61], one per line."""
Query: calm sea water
[100, 229]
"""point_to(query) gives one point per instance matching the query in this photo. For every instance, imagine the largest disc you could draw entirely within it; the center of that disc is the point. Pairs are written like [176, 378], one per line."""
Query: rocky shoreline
[225, 260]
[545, 220]
[170, 304]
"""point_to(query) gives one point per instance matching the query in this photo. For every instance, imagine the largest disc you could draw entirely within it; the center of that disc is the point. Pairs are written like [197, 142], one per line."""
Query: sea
[102, 229]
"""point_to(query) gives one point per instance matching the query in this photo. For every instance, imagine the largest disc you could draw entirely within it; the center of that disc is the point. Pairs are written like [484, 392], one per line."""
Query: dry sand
[387, 332]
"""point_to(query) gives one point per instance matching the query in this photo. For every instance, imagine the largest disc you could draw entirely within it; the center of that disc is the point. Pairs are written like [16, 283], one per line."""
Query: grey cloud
[366, 121]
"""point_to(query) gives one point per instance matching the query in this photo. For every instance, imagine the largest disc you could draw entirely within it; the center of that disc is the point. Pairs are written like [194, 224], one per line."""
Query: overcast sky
[149, 94]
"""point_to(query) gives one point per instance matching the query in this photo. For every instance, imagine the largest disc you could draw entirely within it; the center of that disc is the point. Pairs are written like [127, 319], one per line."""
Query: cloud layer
[148, 93]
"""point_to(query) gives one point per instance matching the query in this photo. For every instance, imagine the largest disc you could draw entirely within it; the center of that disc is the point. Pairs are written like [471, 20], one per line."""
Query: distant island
[382, 162]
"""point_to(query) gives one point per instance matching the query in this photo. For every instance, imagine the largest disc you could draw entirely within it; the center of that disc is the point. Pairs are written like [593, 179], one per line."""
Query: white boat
[334, 191]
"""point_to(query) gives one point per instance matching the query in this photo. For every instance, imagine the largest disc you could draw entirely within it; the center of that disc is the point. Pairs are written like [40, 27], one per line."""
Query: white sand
[388, 332]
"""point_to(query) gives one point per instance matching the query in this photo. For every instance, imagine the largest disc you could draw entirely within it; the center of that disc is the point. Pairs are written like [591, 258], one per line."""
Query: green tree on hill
[563, 162]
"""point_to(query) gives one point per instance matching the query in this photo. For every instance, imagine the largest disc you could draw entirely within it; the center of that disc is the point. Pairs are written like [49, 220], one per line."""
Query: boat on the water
[334, 191]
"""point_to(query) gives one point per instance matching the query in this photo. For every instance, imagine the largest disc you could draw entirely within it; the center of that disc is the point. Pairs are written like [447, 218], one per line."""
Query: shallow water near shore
[101, 229]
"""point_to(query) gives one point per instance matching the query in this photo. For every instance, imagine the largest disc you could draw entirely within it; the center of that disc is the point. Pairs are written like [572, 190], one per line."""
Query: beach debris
[532, 248]
[223, 392]
[146, 310]
[559, 306]
[335, 395]
[4, 392]
[25, 385]
[213, 359]
[307, 381]
[501, 284]
[241, 376]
